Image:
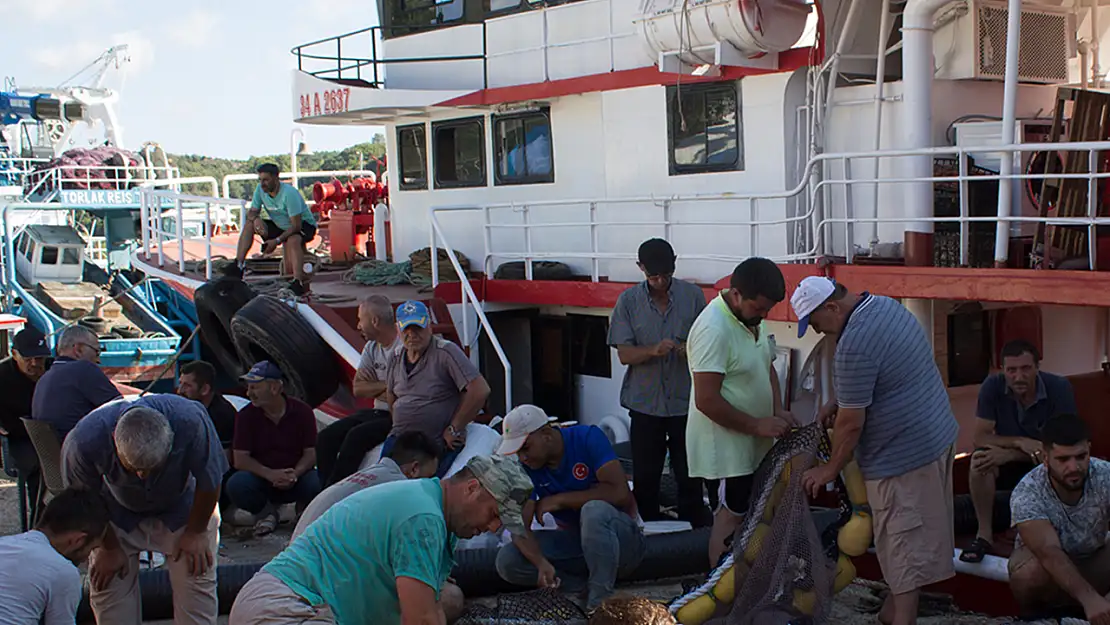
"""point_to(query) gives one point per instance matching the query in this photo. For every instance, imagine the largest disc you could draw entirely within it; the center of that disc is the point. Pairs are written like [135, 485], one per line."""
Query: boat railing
[830, 200]
[296, 177]
[41, 182]
[155, 235]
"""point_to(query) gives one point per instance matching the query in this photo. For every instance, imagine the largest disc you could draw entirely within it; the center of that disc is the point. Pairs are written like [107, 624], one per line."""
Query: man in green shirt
[288, 223]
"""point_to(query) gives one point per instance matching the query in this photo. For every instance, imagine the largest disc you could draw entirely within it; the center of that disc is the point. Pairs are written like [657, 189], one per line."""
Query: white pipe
[1096, 71]
[917, 72]
[1009, 121]
[846, 34]
[880, 74]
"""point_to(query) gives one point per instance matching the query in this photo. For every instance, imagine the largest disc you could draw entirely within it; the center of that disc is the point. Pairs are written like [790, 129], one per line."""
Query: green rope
[382, 273]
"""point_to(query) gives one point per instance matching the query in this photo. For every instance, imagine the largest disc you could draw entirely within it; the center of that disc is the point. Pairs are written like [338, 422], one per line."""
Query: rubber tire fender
[267, 328]
[216, 302]
[963, 512]
[157, 594]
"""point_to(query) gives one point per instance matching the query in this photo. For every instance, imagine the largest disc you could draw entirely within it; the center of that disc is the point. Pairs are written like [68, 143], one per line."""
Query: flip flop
[975, 552]
[265, 526]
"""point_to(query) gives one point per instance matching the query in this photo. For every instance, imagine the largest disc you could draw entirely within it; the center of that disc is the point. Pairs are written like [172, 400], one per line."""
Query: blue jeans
[445, 460]
[606, 545]
[253, 494]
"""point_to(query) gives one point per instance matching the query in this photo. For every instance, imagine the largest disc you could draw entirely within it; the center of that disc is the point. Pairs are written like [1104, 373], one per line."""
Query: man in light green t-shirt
[381, 555]
[736, 408]
[288, 223]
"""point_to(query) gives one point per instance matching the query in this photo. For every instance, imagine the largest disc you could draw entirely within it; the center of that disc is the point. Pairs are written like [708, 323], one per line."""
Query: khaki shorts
[914, 533]
[1095, 568]
[266, 600]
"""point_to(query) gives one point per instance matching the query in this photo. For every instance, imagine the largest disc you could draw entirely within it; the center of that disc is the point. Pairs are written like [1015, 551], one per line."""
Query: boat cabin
[49, 254]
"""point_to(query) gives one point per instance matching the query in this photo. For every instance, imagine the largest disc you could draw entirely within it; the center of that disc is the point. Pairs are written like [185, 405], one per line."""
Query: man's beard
[751, 322]
[1063, 483]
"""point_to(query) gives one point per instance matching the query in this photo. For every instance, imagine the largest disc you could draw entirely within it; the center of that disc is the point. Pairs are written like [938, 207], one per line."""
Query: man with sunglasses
[648, 327]
[74, 386]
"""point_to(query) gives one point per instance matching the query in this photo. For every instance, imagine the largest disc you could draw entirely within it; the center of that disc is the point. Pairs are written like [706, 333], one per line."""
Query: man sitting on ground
[290, 224]
[383, 554]
[157, 462]
[341, 446]
[39, 581]
[1061, 510]
[432, 386]
[579, 480]
[1014, 405]
[198, 383]
[274, 450]
[74, 386]
[413, 456]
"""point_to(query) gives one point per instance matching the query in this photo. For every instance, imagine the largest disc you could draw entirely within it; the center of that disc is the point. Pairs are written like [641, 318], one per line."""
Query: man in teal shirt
[382, 554]
[289, 223]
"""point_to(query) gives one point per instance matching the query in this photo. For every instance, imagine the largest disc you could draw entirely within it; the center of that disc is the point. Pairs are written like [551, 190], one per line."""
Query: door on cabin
[553, 387]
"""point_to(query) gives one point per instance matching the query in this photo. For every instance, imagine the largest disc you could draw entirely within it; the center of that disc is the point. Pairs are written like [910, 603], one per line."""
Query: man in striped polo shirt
[892, 412]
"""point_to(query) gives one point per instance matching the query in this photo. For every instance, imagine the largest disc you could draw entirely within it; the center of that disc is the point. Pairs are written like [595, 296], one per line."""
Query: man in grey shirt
[432, 387]
[1061, 510]
[648, 327]
[158, 463]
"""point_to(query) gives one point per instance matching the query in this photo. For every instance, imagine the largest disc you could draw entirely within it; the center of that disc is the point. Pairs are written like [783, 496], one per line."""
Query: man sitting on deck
[341, 446]
[383, 555]
[1013, 407]
[432, 386]
[274, 449]
[74, 386]
[157, 462]
[291, 225]
[1061, 510]
[579, 480]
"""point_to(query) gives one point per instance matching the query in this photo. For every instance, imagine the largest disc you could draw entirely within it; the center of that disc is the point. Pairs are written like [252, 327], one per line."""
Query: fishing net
[543, 606]
[783, 563]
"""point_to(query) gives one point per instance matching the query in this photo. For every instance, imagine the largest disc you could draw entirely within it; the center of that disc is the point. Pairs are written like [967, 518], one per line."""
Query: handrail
[347, 173]
[469, 297]
[152, 231]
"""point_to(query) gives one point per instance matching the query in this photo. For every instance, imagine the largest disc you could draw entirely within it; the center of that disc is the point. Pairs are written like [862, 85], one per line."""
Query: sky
[205, 77]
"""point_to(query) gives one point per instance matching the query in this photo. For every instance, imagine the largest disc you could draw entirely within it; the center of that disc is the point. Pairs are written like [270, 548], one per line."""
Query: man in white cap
[891, 411]
[579, 480]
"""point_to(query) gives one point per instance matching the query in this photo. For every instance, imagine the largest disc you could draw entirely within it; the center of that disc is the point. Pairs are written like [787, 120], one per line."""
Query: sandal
[266, 525]
[975, 552]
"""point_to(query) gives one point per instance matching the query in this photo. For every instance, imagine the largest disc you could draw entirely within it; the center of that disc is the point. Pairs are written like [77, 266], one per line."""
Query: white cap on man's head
[810, 294]
[519, 423]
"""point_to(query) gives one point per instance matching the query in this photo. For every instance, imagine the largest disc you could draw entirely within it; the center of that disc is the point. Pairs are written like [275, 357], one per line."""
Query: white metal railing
[823, 209]
[154, 234]
[296, 177]
[95, 178]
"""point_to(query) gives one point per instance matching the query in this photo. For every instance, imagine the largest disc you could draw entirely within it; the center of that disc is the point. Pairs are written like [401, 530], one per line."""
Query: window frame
[458, 123]
[495, 122]
[55, 250]
[676, 91]
[71, 252]
[422, 185]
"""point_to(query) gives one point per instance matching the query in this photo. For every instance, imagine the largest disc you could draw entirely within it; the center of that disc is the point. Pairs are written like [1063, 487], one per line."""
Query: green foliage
[371, 155]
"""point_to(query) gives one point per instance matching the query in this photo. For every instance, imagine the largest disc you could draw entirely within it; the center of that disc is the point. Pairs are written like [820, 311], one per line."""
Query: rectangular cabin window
[71, 256]
[23, 238]
[704, 128]
[522, 147]
[30, 253]
[423, 15]
[412, 150]
[458, 151]
[49, 255]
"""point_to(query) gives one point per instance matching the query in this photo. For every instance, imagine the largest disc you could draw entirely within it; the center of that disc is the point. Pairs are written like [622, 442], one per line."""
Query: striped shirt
[884, 363]
[659, 387]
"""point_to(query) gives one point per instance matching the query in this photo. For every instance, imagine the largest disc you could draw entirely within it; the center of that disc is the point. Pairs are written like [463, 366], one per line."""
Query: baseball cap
[506, 480]
[412, 313]
[519, 423]
[808, 297]
[30, 342]
[657, 256]
[262, 370]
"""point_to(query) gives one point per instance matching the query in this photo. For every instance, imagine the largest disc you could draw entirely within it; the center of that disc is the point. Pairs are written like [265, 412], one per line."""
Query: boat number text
[325, 102]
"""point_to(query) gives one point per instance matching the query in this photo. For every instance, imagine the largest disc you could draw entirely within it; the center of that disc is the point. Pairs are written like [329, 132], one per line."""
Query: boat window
[704, 128]
[23, 238]
[30, 253]
[49, 255]
[424, 14]
[459, 153]
[522, 147]
[412, 152]
[71, 256]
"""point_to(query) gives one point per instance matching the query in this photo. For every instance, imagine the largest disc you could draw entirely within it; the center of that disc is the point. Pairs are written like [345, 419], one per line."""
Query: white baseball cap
[519, 423]
[810, 294]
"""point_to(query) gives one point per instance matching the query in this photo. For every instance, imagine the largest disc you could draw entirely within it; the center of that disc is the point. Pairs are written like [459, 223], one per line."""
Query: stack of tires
[241, 328]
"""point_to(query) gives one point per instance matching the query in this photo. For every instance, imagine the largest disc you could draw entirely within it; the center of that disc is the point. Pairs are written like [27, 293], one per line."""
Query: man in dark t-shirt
[198, 383]
[74, 386]
[274, 449]
[1014, 405]
[18, 376]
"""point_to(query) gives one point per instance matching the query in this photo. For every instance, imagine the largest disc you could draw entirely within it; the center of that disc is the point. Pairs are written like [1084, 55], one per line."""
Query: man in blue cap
[274, 449]
[432, 387]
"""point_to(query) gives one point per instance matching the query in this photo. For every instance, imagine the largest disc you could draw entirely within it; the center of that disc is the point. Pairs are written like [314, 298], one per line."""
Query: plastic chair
[49, 451]
[21, 483]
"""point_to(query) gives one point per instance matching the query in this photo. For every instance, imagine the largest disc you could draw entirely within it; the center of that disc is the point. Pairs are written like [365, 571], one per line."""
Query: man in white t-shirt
[39, 580]
[341, 446]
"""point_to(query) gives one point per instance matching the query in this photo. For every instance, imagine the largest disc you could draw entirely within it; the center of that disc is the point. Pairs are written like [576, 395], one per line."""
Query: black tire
[216, 302]
[157, 594]
[963, 513]
[269, 329]
[96, 324]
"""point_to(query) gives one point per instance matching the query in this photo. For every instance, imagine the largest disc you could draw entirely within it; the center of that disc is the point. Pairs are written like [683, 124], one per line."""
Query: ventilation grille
[1046, 44]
